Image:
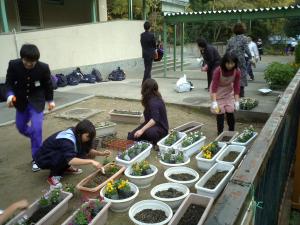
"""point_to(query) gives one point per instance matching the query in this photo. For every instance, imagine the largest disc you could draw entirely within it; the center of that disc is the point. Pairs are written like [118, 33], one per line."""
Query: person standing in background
[259, 44]
[238, 44]
[148, 44]
[29, 87]
[254, 59]
[211, 58]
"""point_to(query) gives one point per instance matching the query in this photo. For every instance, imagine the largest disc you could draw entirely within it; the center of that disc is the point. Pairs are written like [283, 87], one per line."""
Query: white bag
[182, 85]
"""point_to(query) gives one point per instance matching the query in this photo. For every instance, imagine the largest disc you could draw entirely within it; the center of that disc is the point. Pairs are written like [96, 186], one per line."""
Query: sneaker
[73, 170]
[54, 182]
[35, 167]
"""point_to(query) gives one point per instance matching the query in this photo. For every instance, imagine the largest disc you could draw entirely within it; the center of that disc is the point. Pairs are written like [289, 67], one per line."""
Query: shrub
[279, 75]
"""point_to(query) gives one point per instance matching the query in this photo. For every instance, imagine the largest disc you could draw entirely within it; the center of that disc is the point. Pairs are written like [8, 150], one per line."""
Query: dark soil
[125, 194]
[231, 156]
[39, 214]
[182, 176]
[192, 215]
[151, 216]
[226, 138]
[215, 180]
[170, 193]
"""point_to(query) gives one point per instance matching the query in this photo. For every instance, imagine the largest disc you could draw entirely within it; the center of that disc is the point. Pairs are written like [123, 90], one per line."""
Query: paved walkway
[199, 97]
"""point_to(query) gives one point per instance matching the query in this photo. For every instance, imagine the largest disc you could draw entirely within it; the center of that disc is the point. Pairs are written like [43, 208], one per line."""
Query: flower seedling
[172, 138]
[191, 138]
[210, 150]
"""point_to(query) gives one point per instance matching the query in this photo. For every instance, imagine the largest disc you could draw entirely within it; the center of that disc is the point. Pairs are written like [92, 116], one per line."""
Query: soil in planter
[125, 194]
[39, 214]
[99, 178]
[192, 215]
[215, 179]
[231, 156]
[182, 176]
[151, 216]
[170, 193]
[226, 138]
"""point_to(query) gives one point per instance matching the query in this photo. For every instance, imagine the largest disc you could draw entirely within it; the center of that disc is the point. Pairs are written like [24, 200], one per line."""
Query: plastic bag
[182, 85]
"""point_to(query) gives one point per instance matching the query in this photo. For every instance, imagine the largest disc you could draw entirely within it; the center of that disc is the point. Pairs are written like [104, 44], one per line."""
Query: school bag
[88, 78]
[73, 78]
[97, 75]
[117, 75]
[54, 81]
[3, 91]
[61, 80]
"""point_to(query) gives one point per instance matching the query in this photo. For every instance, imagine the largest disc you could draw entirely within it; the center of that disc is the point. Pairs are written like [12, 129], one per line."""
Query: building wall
[70, 13]
[77, 45]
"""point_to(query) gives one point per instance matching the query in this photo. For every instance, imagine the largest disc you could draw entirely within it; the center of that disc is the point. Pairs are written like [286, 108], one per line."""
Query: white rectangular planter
[206, 164]
[163, 148]
[105, 128]
[193, 148]
[188, 127]
[232, 134]
[51, 217]
[232, 148]
[192, 198]
[126, 117]
[214, 193]
[140, 157]
[235, 142]
[99, 219]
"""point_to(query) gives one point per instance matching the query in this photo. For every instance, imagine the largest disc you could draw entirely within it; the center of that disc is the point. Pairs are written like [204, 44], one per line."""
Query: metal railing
[262, 176]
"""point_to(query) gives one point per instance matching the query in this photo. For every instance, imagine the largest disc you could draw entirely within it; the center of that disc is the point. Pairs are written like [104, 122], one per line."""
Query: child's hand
[22, 204]
[96, 164]
[106, 153]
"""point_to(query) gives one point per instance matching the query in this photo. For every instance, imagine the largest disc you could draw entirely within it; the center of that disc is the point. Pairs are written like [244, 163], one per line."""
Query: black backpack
[117, 75]
[61, 80]
[74, 78]
[88, 78]
[97, 75]
[3, 91]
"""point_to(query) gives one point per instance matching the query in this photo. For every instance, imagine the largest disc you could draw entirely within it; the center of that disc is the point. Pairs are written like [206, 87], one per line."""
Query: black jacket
[148, 44]
[29, 86]
[211, 57]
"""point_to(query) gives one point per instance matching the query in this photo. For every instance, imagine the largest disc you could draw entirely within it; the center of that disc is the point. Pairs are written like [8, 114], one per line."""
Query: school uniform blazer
[148, 44]
[29, 86]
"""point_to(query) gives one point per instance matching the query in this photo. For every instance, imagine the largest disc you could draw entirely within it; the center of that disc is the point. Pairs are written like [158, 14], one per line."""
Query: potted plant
[209, 153]
[126, 116]
[105, 128]
[45, 211]
[141, 173]
[191, 143]
[214, 180]
[193, 210]
[227, 136]
[92, 184]
[232, 154]
[170, 140]
[189, 127]
[245, 137]
[120, 193]
[170, 193]
[247, 103]
[173, 157]
[182, 175]
[150, 212]
[91, 212]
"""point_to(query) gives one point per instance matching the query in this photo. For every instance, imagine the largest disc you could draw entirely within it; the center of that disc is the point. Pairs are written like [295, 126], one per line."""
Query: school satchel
[97, 75]
[88, 78]
[61, 80]
[117, 75]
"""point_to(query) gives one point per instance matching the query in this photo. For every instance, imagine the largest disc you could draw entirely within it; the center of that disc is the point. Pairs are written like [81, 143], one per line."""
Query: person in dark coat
[148, 44]
[65, 149]
[211, 58]
[29, 87]
[156, 125]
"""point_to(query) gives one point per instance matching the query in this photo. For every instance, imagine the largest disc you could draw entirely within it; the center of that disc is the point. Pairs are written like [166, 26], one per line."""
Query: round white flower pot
[182, 169]
[150, 204]
[174, 203]
[168, 165]
[141, 181]
[123, 204]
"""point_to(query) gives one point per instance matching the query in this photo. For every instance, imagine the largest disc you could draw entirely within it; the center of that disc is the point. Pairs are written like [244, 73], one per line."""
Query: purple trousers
[34, 131]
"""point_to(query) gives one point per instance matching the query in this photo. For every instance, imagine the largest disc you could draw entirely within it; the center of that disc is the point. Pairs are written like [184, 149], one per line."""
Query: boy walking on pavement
[29, 88]
[148, 44]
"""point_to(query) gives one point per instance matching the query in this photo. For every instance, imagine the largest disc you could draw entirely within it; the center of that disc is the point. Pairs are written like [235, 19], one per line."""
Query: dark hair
[84, 126]
[202, 42]
[147, 25]
[30, 52]
[149, 89]
[239, 28]
[229, 57]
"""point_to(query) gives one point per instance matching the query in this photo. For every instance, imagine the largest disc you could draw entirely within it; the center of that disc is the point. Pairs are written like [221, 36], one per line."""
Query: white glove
[236, 105]
[9, 101]
[214, 105]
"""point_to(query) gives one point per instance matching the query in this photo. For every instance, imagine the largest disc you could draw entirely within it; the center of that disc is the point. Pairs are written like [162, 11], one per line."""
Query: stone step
[169, 67]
